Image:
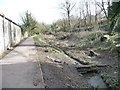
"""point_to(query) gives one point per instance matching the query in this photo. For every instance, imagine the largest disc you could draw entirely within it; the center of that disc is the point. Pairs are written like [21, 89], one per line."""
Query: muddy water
[96, 81]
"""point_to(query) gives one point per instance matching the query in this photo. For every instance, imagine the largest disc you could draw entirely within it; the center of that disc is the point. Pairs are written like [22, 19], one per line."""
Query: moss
[53, 49]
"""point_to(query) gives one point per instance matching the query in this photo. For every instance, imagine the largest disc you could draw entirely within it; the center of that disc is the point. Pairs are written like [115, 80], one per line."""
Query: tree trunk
[69, 24]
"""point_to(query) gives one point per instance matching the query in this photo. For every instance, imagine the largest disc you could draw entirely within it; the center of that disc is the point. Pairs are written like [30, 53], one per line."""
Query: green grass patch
[53, 49]
[39, 40]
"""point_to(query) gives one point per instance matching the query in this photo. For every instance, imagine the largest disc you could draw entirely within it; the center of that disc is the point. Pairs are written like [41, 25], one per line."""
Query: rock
[9, 48]
[72, 45]
[45, 50]
[92, 53]
[63, 37]
[118, 47]
[104, 38]
[89, 57]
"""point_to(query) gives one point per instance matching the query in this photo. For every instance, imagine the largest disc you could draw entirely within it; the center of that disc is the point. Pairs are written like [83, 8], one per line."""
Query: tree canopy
[29, 23]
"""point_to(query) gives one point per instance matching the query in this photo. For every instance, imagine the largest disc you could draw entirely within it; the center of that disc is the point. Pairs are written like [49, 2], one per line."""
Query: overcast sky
[46, 11]
[43, 10]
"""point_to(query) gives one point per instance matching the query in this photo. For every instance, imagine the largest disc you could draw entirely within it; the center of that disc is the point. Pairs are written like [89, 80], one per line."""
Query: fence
[10, 34]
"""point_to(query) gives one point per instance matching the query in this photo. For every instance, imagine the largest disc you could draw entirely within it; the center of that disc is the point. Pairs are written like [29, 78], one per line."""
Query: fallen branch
[65, 53]
[90, 68]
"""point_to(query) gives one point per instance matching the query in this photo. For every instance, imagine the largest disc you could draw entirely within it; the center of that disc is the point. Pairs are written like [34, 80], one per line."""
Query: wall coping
[2, 15]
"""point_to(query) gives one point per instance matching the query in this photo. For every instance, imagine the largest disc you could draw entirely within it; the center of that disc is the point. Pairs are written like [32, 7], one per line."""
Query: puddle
[96, 81]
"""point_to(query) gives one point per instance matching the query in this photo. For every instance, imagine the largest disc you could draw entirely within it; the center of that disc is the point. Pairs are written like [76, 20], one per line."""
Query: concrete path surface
[20, 68]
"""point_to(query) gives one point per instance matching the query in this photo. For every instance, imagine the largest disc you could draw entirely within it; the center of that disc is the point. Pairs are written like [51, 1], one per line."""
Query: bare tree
[95, 13]
[102, 5]
[67, 6]
[85, 13]
[80, 18]
[90, 14]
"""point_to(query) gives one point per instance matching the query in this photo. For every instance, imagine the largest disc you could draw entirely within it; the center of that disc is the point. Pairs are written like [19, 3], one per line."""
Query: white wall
[6, 33]
[10, 34]
[19, 34]
[1, 36]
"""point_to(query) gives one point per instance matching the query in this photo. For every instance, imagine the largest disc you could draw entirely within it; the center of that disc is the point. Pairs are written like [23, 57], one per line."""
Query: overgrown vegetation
[111, 81]
[76, 35]
[31, 25]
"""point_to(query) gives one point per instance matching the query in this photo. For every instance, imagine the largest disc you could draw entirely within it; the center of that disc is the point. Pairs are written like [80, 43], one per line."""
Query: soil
[65, 74]
[60, 75]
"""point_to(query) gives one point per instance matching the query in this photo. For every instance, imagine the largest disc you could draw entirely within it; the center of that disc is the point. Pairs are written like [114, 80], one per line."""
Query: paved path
[20, 68]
